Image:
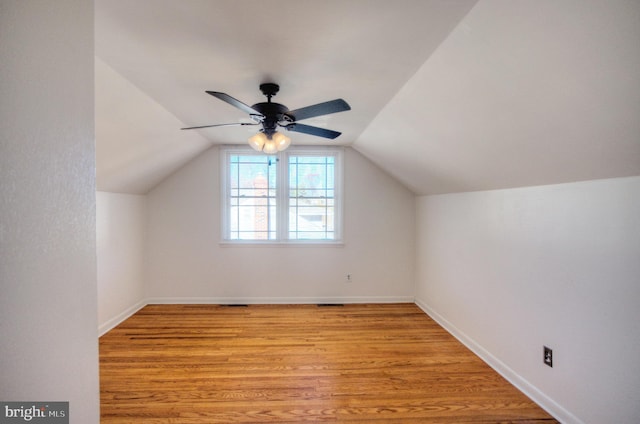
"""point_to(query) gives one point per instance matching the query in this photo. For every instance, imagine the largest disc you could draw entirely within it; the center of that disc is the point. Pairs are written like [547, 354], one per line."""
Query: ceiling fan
[273, 115]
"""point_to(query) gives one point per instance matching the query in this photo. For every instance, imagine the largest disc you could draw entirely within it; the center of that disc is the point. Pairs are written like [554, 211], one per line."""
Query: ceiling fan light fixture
[269, 145]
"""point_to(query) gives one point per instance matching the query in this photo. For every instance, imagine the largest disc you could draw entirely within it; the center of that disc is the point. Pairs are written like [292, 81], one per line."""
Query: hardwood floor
[385, 363]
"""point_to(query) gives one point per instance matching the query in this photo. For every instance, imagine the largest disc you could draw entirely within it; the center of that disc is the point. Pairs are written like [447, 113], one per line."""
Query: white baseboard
[115, 321]
[545, 402]
[277, 300]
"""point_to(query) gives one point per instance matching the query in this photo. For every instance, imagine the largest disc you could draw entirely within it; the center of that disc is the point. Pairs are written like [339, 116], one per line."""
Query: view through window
[292, 196]
[252, 197]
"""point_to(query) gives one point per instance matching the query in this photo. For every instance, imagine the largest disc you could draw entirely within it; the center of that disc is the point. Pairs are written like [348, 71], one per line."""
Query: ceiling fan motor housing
[273, 113]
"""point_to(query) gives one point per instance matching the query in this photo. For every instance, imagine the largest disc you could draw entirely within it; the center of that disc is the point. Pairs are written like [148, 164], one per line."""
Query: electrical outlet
[548, 356]
[348, 278]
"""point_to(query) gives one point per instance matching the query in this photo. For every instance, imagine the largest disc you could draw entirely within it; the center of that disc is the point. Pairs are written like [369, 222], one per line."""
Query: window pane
[252, 197]
[311, 197]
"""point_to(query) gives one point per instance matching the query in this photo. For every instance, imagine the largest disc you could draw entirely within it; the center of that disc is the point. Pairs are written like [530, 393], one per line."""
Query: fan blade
[308, 129]
[219, 125]
[235, 102]
[326, 108]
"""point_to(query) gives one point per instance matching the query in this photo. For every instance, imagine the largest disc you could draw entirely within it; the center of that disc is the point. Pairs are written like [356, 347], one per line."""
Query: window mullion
[282, 196]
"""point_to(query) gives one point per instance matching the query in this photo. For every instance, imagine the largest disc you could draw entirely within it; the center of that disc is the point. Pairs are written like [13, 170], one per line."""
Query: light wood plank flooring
[382, 363]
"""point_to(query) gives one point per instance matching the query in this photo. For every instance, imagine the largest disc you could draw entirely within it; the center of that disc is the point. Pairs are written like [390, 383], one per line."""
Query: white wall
[48, 325]
[185, 260]
[509, 271]
[120, 221]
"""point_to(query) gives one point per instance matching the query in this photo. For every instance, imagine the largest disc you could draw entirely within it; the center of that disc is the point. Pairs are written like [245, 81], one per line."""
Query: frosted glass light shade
[270, 147]
[257, 141]
[281, 140]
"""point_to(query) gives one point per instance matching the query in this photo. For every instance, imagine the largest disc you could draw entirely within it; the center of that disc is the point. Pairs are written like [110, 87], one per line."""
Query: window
[293, 196]
[251, 197]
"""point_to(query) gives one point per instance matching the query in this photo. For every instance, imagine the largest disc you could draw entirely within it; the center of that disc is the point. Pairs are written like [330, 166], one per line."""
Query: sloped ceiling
[446, 96]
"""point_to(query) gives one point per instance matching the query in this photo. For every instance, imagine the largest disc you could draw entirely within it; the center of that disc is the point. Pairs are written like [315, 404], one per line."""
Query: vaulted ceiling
[446, 96]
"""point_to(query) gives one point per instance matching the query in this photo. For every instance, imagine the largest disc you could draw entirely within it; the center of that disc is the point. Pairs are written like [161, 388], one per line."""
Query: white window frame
[282, 194]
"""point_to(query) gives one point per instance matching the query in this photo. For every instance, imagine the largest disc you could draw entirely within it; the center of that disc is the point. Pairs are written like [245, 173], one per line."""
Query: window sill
[288, 243]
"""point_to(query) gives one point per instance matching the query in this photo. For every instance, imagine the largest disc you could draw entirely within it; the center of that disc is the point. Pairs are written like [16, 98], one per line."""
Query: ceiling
[446, 96]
